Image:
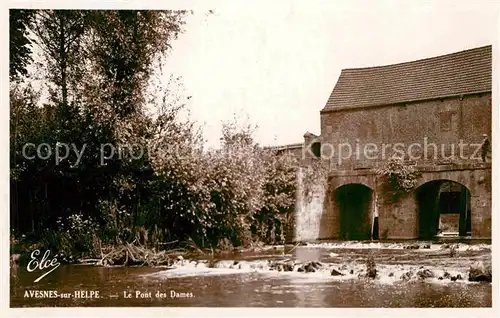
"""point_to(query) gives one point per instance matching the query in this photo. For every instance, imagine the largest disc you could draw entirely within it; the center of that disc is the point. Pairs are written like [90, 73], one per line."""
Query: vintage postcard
[301, 154]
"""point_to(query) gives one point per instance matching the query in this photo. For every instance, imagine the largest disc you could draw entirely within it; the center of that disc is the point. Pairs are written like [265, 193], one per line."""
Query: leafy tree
[124, 58]
[20, 22]
[59, 34]
[103, 92]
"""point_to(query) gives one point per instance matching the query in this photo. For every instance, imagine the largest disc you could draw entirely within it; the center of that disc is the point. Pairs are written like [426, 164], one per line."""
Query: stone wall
[448, 123]
[444, 122]
[309, 208]
[319, 218]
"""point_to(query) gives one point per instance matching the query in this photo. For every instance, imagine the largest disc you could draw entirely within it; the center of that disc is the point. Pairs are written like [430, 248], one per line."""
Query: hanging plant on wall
[400, 177]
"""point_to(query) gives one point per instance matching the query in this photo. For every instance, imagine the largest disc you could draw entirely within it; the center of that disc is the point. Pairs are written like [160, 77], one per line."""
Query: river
[247, 280]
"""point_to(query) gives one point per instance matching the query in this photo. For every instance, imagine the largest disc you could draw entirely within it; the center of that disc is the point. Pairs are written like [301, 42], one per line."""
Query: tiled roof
[468, 71]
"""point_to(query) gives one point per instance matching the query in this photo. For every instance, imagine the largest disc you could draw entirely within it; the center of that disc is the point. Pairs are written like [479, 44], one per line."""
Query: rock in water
[412, 247]
[372, 273]
[309, 268]
[336, 273]
[480, 273]
[425, 273]
[287, 267]
[316, 265]
[371, 270]
[406, 275]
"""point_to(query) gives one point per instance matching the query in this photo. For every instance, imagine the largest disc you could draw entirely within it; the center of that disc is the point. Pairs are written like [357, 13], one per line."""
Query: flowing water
[250, 280]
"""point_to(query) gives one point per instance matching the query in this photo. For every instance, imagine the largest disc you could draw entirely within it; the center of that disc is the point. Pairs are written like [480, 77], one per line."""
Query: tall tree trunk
[63, 62]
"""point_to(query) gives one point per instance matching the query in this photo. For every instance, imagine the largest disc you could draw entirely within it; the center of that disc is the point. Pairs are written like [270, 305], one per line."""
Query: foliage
[20, 51]
[104, 92]
[400, 177]
[225, 194]
[77, 234]
[59, 33]
[124, 58]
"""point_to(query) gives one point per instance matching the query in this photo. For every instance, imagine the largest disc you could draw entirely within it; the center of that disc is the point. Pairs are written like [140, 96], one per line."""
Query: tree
[59, 34]
[81, 87]
[100, 66]
[125, 57]
[20, 51]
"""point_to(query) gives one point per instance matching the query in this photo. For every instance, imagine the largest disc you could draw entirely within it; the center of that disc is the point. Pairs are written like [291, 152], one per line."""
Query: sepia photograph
[319, 154]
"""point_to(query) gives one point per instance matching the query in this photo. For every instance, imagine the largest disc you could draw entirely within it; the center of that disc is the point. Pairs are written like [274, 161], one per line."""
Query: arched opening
[444, 209]
[316, 149]
[354, 203]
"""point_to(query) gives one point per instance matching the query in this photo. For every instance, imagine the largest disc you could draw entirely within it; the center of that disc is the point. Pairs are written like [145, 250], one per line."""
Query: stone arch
[338, 181]
[463, 177]
[444, 208]
[361, 183]
[354, 202]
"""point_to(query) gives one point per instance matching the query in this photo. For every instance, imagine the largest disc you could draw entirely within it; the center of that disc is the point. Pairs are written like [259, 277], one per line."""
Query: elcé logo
[42, 264]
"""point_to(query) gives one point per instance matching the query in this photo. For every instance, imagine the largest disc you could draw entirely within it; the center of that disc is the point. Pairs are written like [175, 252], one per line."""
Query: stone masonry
[431, 112]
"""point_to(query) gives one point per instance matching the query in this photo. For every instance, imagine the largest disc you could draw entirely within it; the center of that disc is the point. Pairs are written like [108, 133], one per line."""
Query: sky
[275, 66]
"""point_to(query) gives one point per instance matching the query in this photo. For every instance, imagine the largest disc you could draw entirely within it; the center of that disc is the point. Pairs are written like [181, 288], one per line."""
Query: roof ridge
[445, 75]
[426, 59]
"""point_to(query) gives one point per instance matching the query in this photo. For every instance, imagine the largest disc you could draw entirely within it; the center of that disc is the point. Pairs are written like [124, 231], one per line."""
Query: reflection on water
[234, 287]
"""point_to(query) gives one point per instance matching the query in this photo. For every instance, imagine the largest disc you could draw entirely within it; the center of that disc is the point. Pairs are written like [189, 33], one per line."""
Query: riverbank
[135, 254]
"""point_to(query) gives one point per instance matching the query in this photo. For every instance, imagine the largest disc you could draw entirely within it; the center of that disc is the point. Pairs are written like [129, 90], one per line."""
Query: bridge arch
[354, 203]
[444, 208]
[463, 177]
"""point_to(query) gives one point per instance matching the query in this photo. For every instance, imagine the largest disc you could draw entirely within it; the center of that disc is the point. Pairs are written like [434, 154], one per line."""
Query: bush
[401, 177]
[177, 191]
[239, 194]
[75, 235]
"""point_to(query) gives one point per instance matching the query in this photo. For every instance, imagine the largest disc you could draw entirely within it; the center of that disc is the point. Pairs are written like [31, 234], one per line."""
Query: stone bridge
[354, 205]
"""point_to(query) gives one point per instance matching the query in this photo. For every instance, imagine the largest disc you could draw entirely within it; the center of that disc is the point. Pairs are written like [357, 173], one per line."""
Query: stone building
[432, 113]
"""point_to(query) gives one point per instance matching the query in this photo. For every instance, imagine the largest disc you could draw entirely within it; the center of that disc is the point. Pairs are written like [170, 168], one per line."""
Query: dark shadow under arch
[354, 205]
[444, 207]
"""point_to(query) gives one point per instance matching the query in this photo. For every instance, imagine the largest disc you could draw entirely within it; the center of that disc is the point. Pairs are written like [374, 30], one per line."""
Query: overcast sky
[277, 65]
